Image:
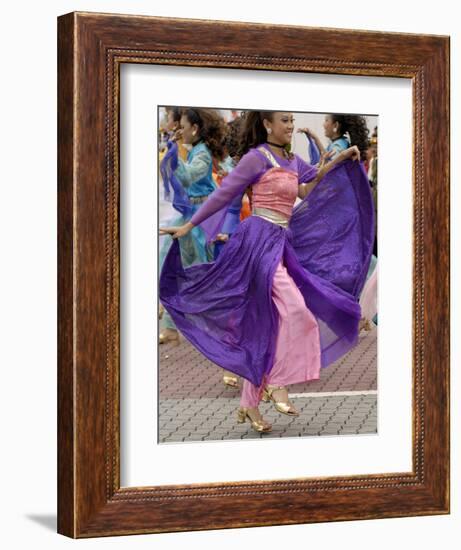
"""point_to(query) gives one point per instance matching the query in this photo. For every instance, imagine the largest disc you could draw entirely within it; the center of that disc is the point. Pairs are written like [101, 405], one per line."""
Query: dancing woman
[281, 301]
[189, 183]
[343, 131]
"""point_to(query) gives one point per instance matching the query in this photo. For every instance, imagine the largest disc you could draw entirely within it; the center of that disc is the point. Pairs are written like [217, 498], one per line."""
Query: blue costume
[338, 145]
[191, 183]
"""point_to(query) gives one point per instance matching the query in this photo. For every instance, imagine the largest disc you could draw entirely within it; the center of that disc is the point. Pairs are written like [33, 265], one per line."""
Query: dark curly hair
[233, 139]
[212, 129]
[356, 127]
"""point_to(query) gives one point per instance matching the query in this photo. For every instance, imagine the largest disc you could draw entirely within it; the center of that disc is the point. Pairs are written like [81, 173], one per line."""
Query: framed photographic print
[227, 357]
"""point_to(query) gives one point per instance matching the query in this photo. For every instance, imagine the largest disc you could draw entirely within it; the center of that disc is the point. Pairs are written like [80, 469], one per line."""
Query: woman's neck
[277, 149]
[196, 142]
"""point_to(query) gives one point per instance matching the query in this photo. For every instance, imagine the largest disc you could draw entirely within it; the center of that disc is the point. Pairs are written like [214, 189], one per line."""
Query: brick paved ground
[194, 404]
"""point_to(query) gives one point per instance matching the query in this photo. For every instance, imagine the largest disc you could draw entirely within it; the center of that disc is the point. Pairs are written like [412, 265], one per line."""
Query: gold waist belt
[271, 216]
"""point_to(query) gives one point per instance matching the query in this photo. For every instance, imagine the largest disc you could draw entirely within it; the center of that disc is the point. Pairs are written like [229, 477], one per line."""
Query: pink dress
[368, 298]
[297, 353]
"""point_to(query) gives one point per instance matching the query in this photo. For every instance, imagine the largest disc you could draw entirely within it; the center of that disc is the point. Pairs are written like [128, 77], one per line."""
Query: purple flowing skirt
[225, 308]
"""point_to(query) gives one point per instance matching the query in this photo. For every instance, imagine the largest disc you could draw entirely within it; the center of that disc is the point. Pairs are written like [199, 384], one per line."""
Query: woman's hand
[325, 158]
[310, 134]
[352, 153]
[304, 131]
[177, 232]
[177, 135]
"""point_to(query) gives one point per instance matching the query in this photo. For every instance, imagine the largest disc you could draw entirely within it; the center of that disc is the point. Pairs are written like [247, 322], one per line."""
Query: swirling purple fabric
[225, 307]
[333, 228]
[314, 153]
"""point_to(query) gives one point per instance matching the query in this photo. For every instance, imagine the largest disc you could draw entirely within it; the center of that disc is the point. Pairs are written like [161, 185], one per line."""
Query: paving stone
[349, 430]
[297, 432]
[282, 427]
[329, 431]
[200, 405]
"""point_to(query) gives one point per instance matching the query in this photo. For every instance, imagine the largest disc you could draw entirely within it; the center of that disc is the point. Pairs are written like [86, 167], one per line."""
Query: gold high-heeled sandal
[161, 310]
[260, 426]
[281, 406]
[230, 380]
[365, 324]
[168, 339]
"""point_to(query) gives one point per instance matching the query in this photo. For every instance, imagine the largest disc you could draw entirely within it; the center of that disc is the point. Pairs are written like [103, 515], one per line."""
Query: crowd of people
[270, 267]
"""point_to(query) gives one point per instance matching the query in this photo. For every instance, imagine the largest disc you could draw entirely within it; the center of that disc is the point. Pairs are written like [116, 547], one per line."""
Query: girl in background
[188, 184]
[343, 131]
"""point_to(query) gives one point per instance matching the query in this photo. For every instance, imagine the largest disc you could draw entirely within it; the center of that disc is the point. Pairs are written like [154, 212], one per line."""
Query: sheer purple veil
[314, 153]
[173, 189]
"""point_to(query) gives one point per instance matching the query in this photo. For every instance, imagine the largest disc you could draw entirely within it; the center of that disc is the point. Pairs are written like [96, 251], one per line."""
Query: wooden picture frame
[91, 49]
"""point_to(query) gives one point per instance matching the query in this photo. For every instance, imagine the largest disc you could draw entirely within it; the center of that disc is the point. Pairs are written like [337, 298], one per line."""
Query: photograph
[268, 269]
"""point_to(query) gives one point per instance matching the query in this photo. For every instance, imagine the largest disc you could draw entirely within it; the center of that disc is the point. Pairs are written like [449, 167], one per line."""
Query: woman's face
[189, 131]
[331, 128]
[282, 126]
[171, 123]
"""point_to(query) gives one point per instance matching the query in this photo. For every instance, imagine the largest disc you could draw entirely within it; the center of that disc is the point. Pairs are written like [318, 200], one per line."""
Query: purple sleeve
[306, 172]
[250, 168]
[232, 218]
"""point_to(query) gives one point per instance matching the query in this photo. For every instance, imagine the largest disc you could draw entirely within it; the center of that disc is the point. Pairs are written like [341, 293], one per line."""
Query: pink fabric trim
[297, 352]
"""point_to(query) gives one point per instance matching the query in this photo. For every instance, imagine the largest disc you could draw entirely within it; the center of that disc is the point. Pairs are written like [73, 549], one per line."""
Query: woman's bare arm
[316, 139]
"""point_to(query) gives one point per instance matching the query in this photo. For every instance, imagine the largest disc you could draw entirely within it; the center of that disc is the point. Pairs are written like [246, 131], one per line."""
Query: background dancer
[188, 184]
